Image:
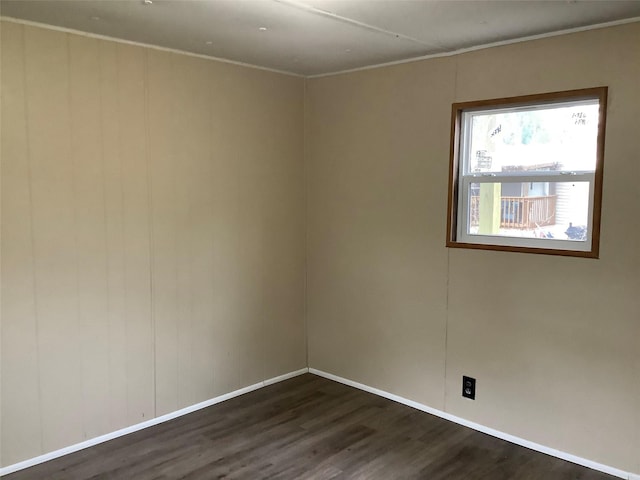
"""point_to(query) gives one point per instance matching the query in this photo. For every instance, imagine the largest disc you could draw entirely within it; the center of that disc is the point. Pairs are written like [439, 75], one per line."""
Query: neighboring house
[527, 205]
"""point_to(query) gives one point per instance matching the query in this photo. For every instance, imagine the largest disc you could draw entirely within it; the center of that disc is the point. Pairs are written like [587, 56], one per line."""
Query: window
[526, 173]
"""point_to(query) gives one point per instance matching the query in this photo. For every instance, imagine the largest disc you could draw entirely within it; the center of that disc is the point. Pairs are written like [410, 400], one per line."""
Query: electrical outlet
[469, 387]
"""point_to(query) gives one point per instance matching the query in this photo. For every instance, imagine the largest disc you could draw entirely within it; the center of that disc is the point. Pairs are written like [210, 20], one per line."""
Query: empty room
[320, 239]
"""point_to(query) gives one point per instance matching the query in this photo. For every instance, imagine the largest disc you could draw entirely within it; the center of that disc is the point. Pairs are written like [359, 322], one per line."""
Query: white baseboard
[481, 428]
[149, 423]
[396, 398]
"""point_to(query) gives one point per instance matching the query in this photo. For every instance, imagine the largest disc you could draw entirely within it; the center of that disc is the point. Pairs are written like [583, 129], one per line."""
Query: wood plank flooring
[308, 427]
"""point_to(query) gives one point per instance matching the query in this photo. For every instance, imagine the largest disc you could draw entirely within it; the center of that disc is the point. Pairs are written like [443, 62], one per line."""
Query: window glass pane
[545, 210]
[559, 137]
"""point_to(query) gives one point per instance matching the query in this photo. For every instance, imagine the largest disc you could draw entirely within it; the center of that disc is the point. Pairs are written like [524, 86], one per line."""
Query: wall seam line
[74, 195]
[108, 297]
[118, 52]
[31, 227]
[150, 230]
[305, 166]
[448, 279]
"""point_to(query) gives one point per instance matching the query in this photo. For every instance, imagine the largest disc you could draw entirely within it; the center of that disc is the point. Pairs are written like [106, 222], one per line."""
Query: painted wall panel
[53, 190]
[21, 432]
[112, 166]
[376, 269]
[193, 76]
[91, 251]
[134, 234]
[238, 233]
[557, 336]
[552, 341]
[164, 226]
[184, 147]
[284, 226]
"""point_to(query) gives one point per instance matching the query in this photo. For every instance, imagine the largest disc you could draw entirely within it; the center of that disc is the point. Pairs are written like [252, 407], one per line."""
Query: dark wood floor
[308, 428]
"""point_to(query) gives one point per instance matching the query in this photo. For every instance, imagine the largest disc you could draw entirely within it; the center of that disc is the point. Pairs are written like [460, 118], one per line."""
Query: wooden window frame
[457, 109]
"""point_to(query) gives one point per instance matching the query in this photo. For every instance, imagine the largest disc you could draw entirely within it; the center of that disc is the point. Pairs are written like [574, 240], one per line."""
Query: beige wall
[552, 341]
[152, 234]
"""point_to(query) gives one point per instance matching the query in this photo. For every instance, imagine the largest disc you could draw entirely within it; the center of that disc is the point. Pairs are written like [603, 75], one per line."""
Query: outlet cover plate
[469, 387]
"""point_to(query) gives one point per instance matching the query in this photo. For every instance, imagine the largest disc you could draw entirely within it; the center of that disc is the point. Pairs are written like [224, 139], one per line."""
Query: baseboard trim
[149, 423]
[481, 428]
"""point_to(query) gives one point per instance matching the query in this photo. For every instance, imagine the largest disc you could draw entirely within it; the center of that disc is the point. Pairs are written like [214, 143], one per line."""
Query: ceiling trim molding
[144, 45]
[501, 43]
[321, 75]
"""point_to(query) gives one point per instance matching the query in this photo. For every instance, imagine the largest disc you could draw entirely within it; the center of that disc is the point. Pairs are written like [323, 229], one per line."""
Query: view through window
[526, 172]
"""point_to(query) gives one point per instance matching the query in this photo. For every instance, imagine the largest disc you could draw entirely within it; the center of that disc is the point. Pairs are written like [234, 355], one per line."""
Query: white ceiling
[313, 37]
